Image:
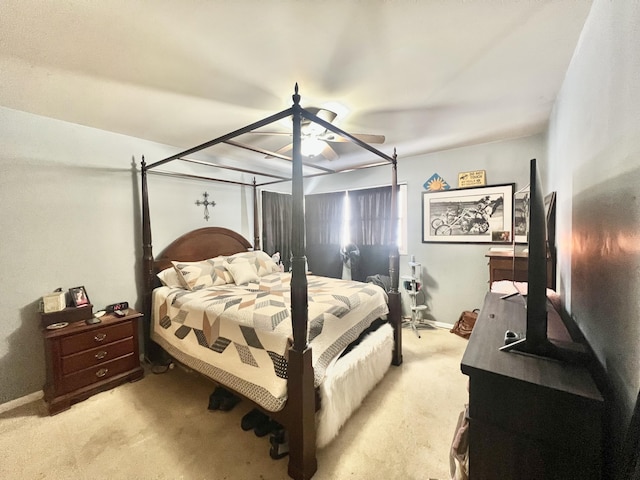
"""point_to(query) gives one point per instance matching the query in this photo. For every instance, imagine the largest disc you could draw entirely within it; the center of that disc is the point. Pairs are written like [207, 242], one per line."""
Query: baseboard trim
[431, 323]
[18, 402]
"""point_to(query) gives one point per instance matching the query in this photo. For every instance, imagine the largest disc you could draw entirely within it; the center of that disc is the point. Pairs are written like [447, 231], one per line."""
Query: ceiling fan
[316, 139]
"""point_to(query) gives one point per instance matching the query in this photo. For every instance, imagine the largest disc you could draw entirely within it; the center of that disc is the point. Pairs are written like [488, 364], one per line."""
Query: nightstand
[83, 360]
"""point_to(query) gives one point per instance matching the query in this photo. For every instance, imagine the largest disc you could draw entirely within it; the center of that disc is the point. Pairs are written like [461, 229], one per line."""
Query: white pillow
[170, 278]
[263, 262]
[266, 263]
[207, 273]
[243, 271]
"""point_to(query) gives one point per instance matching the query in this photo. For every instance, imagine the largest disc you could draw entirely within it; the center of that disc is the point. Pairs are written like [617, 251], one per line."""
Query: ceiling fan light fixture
[311, 147]
[314, 129]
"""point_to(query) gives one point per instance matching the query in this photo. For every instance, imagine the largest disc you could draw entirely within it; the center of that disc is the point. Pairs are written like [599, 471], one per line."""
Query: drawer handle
[101, 355]
[102, 372]
[100, 337]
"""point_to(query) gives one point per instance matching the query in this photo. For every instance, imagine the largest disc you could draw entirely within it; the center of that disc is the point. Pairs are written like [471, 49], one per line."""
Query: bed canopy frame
[301, 402]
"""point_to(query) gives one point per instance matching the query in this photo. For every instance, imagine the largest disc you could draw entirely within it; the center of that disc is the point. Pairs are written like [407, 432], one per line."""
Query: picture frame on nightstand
[79, 297]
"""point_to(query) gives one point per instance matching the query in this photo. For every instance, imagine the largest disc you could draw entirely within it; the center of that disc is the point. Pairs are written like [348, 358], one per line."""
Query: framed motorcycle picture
[468, 215]
[521, 215]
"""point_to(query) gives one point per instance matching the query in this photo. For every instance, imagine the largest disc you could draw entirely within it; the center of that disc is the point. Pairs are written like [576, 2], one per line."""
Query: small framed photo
[79, 297]
[501, 236]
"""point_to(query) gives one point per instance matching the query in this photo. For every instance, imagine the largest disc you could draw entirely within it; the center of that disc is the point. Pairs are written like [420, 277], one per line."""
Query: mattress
[239, 336]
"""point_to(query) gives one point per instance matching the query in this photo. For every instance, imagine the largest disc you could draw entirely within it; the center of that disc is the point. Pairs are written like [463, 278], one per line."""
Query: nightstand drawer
[99, 373]
[93, 338]
[95, 356]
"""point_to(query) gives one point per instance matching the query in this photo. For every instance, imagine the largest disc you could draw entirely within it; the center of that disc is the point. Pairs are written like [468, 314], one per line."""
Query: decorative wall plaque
[475, 178]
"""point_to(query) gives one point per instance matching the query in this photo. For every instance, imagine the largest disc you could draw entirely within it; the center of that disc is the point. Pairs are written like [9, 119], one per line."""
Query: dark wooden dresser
[509, 266]
[83, 360]
[529, 417]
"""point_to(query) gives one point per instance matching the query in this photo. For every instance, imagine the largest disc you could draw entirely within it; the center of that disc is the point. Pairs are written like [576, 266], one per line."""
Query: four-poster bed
[224, 249]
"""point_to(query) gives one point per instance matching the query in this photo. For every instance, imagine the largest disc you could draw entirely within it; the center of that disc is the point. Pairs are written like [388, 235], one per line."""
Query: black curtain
[371, 218]
[276, 225]
[372, 227]
[323, 214]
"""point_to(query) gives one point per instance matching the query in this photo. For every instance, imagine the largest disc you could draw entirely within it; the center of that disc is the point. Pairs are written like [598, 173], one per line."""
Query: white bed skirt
[348, 381]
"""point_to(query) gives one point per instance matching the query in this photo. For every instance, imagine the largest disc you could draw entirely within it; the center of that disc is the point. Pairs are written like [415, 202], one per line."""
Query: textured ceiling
[426, 74]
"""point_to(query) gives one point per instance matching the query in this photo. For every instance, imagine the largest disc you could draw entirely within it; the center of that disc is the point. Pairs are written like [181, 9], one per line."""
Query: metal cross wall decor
[206, 204]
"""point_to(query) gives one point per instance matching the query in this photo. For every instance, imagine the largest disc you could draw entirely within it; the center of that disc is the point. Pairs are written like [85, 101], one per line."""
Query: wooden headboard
[201, 244]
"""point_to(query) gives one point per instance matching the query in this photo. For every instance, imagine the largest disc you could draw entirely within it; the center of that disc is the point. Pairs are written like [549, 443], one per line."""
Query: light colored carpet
[160, 428]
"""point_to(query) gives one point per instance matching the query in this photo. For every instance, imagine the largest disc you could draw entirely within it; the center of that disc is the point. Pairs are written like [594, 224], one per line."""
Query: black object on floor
[252, 419]
[229, 401]
[216, 398]
[279, 441]
[222, 399]
[267, 427]
[260, 425]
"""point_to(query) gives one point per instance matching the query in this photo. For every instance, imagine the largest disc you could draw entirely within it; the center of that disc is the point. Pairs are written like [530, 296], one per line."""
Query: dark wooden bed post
[301, 392]
[256, 225]
[147, 264]
[395, 304]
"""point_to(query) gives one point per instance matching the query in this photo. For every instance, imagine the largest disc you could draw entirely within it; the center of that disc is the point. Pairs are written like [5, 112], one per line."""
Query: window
[401, 230]
[334, 220]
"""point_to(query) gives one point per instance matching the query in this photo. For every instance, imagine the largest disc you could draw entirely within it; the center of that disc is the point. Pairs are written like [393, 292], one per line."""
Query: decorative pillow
[266, 263]
[170, 278]
[261, 260]
[243, 271]
[207, 273]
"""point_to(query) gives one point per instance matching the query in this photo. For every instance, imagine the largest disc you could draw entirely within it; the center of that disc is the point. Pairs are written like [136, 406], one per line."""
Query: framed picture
[468, 215]
[521, 216]
[501, 236]
[79, 296]
[550, 211]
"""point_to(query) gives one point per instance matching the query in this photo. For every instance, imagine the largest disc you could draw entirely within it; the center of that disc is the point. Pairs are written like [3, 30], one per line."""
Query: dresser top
[81, 326]
[483, 356]
[506, 254]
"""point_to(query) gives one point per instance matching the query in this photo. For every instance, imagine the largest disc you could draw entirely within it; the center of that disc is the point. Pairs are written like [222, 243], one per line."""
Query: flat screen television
[536, 341]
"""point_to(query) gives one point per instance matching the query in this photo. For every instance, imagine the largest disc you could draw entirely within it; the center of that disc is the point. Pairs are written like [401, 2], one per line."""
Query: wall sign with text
[476, 178]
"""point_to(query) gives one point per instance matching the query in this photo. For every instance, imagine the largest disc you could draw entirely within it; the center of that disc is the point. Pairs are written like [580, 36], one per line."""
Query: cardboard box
[54, 302]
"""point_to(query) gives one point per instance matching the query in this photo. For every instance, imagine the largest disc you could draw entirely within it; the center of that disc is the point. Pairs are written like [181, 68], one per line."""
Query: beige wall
[70, 216]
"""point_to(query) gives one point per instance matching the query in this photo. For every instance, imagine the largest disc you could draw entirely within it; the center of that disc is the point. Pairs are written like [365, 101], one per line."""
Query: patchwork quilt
[240, 335]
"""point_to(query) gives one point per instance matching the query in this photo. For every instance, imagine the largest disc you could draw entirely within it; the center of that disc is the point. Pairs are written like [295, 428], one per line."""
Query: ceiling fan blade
[323, 113]
[329, 153]
[282, 151]
[285, 149]
[314, 129]
[365, 137]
